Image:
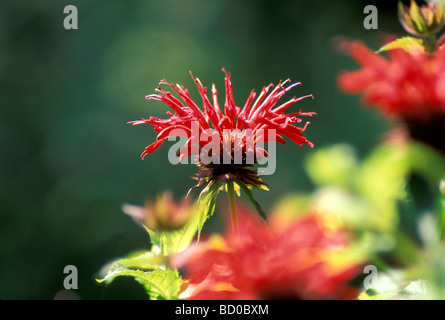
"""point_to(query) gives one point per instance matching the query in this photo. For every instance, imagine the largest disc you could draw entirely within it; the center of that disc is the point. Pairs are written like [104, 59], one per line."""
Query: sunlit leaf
[144, 260]
[342, 206]
[151, 268]
[408, 44]
[252, 200]
[176, 241]
[381, 180]
[159, 284]
[426, 161]
[332, 165]
[291, 206]
[207, 203]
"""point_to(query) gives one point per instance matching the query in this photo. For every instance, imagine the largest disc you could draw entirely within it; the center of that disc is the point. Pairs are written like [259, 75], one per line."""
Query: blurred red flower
[281, 262]
[409, 86]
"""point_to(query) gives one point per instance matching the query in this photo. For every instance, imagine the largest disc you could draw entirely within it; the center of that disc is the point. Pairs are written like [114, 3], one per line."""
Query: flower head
[409, 86]
[226, 143]
[283, 262]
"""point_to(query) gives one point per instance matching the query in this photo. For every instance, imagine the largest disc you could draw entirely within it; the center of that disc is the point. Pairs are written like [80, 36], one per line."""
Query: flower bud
[164, 214]
[422, 21]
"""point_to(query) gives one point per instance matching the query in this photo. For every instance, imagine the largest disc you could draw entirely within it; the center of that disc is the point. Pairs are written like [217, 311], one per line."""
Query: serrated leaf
[145, 260]
[159, 284]
[162, 285]
[155, 239]
[207, 203]
[408, 44]
[173, 242]
[150, 269]
[168, 243]
[252, 200]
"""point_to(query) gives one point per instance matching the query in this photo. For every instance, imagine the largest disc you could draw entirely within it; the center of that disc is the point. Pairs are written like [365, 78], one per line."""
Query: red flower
[259, 115]
[278, 263]
[407, 85]
[242, 129]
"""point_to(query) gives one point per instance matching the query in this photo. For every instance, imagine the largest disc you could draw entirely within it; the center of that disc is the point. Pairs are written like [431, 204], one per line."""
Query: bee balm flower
[283, 262]
[235, 133]
[409, 86]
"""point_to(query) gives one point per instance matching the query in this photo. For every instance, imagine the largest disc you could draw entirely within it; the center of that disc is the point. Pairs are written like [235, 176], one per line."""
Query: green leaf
[162, 285]
[143, 260]
[381, 181]
[173, 242]
[255, 203]
[207, 203]
[168, 243]
[408, 44]
[430, 166]
[150, 270]
[159, 284]
[333, 165]
[155, 239]
[426, 161]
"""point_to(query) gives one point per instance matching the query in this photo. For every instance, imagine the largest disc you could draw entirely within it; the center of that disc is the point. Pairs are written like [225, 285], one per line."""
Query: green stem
[431, 42]
[232, 204]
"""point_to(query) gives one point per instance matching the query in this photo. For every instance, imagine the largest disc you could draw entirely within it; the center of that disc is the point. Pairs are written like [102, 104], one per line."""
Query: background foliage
[69, 160]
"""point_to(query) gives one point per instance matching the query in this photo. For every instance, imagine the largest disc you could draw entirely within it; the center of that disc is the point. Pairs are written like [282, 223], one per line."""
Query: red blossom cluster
[280, 262]
[408, 87]
[260, 114]
[408, 84]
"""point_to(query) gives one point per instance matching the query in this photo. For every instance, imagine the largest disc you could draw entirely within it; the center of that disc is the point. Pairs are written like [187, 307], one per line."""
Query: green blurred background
[69, 160]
